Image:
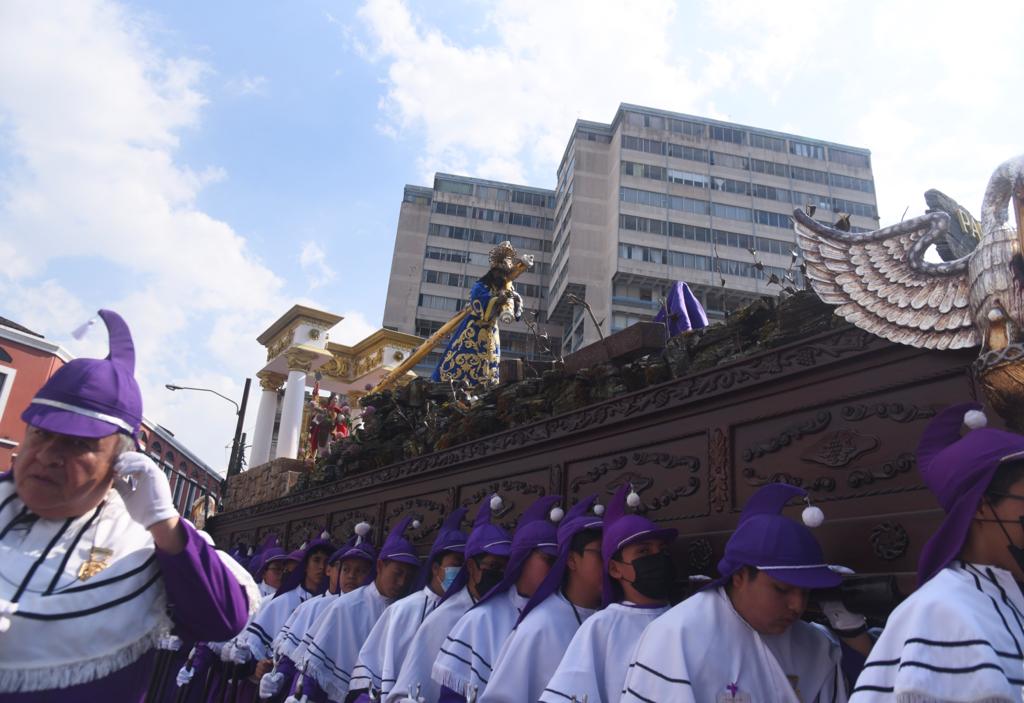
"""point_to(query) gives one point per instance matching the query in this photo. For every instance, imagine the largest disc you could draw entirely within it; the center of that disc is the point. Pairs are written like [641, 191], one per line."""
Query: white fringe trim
[451, 680]
[49, 677]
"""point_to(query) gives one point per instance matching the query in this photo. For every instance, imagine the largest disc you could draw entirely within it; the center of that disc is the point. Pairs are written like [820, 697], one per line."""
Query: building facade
[651, 198]
[27, 361]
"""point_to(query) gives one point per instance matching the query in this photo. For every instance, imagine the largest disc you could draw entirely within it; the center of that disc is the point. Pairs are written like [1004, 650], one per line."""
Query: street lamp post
[234, 463]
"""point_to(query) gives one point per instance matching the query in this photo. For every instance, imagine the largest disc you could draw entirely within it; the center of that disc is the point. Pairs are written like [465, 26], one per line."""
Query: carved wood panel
[430, 509]
[670, 477]
[343, 523]
[517, 493]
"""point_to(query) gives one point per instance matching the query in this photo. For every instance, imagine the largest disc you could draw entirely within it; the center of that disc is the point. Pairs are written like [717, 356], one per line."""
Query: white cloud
[91, 132]
[930, 93]
[245, 85]
[352, 329]
[313, 260]
[506, 109]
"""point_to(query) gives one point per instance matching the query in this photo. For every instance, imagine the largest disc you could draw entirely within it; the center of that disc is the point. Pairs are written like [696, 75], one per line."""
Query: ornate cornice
[270, 381]
[819, 351]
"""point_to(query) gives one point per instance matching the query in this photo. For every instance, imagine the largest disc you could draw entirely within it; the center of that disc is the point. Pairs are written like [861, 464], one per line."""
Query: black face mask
[489, 578]
[655, 575]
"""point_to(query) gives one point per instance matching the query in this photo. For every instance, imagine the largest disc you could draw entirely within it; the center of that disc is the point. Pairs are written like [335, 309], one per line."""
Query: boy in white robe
[487, 551]
[569, 595]
[345, 624]
[382, 654]
[741, 638]
[637, 577]
[463, 665]
[959, 637]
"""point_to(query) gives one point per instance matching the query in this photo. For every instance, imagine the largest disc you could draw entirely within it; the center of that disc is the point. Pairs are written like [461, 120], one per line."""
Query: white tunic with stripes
[703, 651]
[469, 651]
[532, 652]
[381, 655]
[595, 663]
[344, 627]
[414, 674]
[957, 638]
[259, 634]
[298, 624]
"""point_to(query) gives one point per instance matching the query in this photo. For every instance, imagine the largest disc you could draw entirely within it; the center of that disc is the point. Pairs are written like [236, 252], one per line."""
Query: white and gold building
[297, 349]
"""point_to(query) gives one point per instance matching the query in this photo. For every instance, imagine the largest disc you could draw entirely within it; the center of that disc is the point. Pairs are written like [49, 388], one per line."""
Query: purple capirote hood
[576, 520]
[685, 312]
[293, 580]
[485, 538]
[450, 538]
[92, 397]
[533, 531]
[782, 548]
[621, 529]
[958, 470]
[397, 547]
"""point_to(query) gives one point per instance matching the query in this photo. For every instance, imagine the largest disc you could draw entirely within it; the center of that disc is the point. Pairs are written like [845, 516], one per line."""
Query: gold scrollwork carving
[299, 360]
[270, 381]
[337, 367]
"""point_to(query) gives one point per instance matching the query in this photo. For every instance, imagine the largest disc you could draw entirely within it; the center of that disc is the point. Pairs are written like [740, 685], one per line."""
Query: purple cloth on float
[685, 312]
[209, 605]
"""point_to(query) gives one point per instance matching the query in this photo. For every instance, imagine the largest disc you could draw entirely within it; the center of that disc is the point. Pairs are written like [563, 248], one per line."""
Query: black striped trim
[8, 500]
[90, 611]
[38, 562]
[71, 548]
[260, 633]
[952, 669]
[113, 579]
[558, 693]
[659, 674]
[471, 651]
[467, 663]
[875, 689]
[14, 521]
[638, 696]
[334, 668]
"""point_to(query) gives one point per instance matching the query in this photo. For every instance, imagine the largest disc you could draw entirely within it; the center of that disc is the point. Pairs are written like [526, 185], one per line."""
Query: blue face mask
[450, 573]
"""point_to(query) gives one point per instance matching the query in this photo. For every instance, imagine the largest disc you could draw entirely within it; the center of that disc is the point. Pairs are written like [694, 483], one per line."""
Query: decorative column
[271, 384]
[291, 411]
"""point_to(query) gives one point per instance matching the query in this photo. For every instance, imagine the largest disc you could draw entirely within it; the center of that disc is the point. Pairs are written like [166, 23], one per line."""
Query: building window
[690, 129]
[763, 141]
[179, 487]
[839, 181]
[6, 382]
[770, 167]
[728, 134]
[447, 186]
[850, 158]
[809, 151]
[730, 161]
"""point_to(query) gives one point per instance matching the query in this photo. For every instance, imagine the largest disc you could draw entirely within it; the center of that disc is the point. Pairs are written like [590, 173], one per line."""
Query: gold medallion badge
[98, 558]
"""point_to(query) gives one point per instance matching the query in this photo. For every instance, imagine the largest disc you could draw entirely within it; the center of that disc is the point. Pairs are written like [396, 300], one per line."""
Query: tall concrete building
[649, 199]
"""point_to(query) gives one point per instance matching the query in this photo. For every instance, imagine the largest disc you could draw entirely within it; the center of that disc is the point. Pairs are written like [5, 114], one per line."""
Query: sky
[201, 167]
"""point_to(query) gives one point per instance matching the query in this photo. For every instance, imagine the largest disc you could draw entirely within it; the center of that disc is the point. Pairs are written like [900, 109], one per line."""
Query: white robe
[266, 591]
[385, 648]
[260, 632]
[469, 651]
[702, 647]
[532, 652]
[594, 665]
[298, 623]
[957, 638]
[426, 643]
[343, 629]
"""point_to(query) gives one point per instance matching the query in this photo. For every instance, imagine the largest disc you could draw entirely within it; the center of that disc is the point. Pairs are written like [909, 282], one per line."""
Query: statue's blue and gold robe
[474, 350]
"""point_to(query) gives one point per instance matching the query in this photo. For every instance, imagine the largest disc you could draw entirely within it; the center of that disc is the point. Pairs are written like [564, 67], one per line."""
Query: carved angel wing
[882, 283]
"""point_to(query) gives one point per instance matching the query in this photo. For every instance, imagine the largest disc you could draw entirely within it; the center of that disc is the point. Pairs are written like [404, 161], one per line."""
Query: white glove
[184, 676]
[842, 620]
[270, 684]
[236, 653]
[291, 699]
[216, 647]
[144, 489]
[169, 642]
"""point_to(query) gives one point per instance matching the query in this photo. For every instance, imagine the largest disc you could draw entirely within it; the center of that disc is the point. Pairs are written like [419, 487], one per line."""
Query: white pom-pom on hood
[496, 502]
[975, 419]
[812, 516]
[556, 514]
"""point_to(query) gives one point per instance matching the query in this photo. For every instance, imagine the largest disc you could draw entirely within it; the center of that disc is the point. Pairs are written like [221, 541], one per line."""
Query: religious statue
[328, 423]
[883, 283]
[474, 352]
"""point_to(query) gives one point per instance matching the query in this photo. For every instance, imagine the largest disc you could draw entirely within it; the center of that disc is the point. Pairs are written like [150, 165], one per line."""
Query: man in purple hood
[486, 555]
[741, 638]
[97, 564]
[959, 636]
[637, 576]
[569, 595]
[464, 662]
